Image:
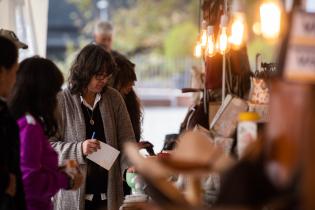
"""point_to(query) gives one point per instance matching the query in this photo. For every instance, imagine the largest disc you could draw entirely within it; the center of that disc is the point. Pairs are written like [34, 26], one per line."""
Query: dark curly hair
[38, 81]
[121, 78]
[126, 71]
[91, 60]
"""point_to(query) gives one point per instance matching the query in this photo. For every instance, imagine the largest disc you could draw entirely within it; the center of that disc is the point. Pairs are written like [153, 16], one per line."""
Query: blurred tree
[180, 40]
[157, 34]
[85, 7]
[145, 25]
[147, 29]
[141, 24]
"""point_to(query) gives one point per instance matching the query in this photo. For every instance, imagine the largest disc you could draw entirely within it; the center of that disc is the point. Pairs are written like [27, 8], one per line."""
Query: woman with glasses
[90, 112]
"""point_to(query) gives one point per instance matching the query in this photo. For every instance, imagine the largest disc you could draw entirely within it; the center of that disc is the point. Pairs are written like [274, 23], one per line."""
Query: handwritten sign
[300, 58]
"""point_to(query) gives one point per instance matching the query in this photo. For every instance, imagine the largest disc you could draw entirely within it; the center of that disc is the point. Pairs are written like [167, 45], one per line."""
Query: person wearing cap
[11, 36]
[11, 187]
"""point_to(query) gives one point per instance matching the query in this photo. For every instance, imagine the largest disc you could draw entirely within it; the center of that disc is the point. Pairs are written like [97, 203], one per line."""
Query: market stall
[256, 150]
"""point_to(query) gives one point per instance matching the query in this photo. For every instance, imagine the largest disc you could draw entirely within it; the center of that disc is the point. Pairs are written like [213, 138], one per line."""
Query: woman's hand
[71, 168]
[76, 181]
[90, 145]
[12, 185]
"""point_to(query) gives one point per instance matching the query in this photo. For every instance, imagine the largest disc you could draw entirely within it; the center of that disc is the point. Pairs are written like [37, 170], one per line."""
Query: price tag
[300, 57]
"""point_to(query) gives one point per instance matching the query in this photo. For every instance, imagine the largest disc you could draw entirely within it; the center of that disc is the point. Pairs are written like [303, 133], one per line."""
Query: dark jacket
[10, 160]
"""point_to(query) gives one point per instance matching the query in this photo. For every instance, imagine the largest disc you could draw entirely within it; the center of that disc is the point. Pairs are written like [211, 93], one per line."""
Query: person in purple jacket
[33, 103]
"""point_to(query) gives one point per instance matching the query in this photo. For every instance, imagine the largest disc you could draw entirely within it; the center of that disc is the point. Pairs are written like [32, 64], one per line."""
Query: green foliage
[146, 24]
[71, 53]
[180, 40]
[143, 25]
[85, 7]
[158, 34]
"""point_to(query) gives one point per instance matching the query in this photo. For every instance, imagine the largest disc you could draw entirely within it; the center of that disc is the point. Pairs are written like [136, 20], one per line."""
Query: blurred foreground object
[195, 156]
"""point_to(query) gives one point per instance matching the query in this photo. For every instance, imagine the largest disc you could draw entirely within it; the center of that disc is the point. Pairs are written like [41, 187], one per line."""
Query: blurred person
[123, 80]
[103, 34]
[89, 106]
[33, 103]
[11, 187]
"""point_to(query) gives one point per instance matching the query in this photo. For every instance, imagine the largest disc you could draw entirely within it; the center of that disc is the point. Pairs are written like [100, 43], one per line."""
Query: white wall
[7, 11]
[29, 20]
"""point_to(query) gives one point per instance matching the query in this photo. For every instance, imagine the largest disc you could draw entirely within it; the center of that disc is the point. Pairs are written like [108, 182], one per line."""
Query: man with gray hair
[103, 34]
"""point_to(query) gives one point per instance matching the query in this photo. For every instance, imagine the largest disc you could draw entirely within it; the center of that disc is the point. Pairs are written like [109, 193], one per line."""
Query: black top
[10, 157]
[97, 177]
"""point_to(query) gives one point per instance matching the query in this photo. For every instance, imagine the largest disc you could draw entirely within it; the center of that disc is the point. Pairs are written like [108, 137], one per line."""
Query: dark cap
[11, 35]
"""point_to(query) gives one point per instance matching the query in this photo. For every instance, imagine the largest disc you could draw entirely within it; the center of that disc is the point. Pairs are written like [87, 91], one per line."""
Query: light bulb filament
[198, 50]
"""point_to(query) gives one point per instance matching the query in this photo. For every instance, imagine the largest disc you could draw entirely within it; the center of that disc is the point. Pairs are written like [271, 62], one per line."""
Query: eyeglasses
[102, 76]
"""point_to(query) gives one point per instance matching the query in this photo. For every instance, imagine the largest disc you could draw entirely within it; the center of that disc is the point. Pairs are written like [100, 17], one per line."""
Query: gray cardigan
[71, 133]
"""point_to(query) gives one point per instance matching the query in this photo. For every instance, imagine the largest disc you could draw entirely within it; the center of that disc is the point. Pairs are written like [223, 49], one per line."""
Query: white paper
[105, 156]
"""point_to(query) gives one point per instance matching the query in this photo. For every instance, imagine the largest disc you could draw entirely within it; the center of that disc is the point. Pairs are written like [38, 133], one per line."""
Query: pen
[93, 135]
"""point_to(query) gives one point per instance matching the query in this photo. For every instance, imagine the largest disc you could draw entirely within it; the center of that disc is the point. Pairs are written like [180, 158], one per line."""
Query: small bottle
[246, 131]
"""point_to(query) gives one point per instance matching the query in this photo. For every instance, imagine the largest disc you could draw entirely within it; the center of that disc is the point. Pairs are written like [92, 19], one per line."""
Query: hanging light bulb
[238, 25]
[222, 44]
[204, 34]
[210, 50]
[198, 50]
[270, 18]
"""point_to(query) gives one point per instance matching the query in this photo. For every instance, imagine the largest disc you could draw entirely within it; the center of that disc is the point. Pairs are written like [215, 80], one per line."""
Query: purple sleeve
[40, 180]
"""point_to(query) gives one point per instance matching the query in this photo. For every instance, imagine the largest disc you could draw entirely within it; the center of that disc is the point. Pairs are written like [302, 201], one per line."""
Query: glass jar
[246, 131]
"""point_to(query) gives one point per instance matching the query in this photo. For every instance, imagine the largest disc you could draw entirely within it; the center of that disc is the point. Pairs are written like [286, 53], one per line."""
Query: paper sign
[225, 121]
[105, 156]
[300, 58]
[303, 31]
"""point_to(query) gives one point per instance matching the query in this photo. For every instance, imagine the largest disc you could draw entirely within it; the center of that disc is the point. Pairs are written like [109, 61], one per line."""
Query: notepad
[105, 157]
